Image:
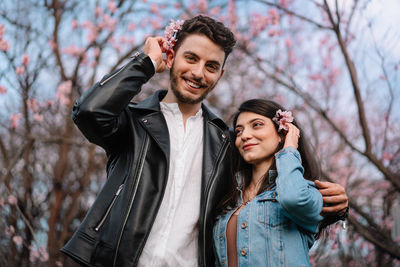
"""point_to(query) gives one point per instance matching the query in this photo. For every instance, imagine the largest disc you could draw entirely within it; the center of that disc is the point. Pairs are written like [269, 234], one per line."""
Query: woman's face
[256, 137]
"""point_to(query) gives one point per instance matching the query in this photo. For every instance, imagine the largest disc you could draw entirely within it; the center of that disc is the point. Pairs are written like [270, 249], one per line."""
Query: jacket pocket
[269, 211]
[104, 217]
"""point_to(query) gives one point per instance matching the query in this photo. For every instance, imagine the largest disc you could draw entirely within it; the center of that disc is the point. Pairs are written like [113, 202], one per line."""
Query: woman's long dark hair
[311, 167]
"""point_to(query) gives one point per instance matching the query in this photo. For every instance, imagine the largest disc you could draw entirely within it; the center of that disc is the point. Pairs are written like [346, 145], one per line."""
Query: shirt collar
[174, 109]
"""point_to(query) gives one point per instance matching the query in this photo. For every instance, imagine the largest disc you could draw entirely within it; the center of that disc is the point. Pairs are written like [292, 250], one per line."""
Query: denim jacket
[277, 227]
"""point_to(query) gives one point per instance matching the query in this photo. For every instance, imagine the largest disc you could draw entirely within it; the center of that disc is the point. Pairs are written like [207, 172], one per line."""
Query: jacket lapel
[214, 136]
[153, 121]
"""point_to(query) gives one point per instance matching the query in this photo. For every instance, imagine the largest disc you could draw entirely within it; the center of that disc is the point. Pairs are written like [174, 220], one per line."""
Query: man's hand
[334, 195]
[154, 47]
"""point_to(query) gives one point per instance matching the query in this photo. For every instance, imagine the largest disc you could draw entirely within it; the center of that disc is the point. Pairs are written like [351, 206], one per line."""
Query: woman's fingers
[292, 136]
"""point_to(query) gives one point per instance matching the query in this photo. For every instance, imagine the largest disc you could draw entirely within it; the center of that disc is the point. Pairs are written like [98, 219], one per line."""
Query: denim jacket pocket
[269, 211]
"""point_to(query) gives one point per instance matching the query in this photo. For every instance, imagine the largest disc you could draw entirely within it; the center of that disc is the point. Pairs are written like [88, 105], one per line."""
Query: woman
[272, 216]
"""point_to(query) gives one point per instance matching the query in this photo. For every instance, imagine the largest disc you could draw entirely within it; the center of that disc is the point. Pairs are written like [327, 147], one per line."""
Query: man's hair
[214, 30]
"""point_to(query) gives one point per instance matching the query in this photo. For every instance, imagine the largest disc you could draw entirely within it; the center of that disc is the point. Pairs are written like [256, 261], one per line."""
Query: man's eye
[212, 68]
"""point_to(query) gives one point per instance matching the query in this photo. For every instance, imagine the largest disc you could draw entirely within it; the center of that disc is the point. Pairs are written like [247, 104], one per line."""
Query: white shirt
[173, 237]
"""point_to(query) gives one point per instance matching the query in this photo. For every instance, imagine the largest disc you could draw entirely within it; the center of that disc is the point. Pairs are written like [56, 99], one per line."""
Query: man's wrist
[343, 216]
[154, 64]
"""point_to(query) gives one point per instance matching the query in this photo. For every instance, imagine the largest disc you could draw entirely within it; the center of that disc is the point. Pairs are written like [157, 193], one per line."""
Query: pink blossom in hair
[281, 118]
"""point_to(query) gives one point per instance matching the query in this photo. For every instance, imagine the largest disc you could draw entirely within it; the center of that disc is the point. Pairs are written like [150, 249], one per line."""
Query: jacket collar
[152, 103]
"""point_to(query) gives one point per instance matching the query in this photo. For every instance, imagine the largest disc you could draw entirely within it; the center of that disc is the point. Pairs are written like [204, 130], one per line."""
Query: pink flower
[63, 91]
[32, 104]
[155, 24]
[154, 9]
[72, 50]
[274, 16]
[14, 119]
[99, 11]
[44, 256]
[232, 15]
[292, 58]
[52, 44]
[123, 39]
[25, 60]
[20, 70]
[281, 118]
[49, 103]
[316, 77]
[17, 240]
[387, 156]
[272, 32]
[3, 90]
[10, 230]
[33, 254]
[12, 200]
[96, 52]
[108, 23]
[38, 117]
[257, 23]
[284, 3]
[2, 31]
[59, 264]
[288, 42]
[170, 32]
[215, 11]
[203, 6]
[112, 6]
[4, 46]
[74, 24]
[131, 26]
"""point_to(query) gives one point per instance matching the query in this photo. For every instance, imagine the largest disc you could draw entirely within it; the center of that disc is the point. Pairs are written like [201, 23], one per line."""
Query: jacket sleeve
[299, 198]
[100, 112]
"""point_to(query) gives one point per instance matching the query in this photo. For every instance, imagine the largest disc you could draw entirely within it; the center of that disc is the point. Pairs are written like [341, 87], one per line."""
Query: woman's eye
[238, 131]
[257, 124]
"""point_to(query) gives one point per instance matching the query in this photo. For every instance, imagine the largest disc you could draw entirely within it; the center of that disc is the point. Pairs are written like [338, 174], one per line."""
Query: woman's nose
[246, 135]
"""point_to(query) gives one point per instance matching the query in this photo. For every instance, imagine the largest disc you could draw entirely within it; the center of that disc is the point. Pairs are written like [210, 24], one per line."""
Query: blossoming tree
[52, 51]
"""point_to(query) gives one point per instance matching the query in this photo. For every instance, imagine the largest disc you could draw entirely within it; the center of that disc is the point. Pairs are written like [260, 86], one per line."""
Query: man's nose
[198, 72]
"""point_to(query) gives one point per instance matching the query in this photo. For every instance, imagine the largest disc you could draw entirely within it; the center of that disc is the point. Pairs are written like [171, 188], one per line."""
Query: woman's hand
[292, 136]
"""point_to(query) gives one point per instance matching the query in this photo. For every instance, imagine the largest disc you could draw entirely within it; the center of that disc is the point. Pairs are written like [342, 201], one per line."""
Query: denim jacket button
[243, 252]
[243, 225]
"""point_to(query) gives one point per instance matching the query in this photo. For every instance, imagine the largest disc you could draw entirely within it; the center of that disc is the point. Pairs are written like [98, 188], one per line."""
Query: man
[168, 156]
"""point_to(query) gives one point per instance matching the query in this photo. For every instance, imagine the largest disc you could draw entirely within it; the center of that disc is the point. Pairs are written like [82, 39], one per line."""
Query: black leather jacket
[136, 140]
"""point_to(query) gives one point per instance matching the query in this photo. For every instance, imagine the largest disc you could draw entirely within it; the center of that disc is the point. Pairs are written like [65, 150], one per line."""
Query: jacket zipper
[138, 176]
[121, 69]
[208, 200]
[100, 224]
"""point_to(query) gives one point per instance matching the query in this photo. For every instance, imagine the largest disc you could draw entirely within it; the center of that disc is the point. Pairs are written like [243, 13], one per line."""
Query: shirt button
[243, 252]
[243, 225]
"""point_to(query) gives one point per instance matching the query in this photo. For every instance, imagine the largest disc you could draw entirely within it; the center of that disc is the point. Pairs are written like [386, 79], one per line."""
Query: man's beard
[181, 98]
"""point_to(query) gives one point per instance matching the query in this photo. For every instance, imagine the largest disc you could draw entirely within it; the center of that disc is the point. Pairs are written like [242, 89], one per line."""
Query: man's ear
[170, 57]
[222, 73]
[220, 76]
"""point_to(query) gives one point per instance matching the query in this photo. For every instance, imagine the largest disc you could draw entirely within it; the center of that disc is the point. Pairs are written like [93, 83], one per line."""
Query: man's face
[196, 67]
